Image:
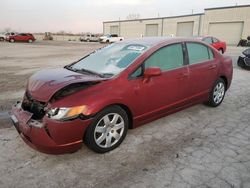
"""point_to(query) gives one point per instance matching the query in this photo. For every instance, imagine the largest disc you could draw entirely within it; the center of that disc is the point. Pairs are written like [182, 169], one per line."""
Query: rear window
[215, 40]
[198, 53]
[208, 40]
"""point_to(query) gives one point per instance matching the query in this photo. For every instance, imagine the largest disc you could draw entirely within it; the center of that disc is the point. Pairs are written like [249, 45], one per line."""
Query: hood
[44, 84]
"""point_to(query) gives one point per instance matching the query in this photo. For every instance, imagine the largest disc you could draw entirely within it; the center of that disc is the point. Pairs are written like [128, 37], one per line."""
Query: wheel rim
[219, 92]
[109, 130]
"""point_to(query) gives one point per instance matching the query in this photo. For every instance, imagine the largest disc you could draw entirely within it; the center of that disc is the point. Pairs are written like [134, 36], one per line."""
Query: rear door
[167, 91]
[203, 69]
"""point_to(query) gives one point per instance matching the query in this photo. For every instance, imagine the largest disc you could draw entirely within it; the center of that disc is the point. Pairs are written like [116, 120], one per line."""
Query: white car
[110, 38]
[89, 38]
[5, 36]
[8, 34]
[2, 36]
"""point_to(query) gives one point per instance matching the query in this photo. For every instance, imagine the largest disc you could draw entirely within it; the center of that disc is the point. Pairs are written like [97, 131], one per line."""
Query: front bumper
[49, 136]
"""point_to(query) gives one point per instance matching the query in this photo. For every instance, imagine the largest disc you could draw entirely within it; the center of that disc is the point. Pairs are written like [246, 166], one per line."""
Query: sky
[78, 16]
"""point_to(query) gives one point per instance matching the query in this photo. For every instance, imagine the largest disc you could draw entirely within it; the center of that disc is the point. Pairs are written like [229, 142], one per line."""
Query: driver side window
[166, 58]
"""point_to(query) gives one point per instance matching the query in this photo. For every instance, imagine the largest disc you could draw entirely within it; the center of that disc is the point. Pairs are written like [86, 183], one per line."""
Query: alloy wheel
[109, 130]
[219, 92]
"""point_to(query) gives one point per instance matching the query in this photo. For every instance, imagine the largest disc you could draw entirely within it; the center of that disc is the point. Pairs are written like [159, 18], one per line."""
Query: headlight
[66, 113]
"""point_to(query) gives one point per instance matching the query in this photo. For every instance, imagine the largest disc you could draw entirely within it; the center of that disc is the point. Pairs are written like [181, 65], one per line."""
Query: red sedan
[216, 43]
[121, 86]
[21, 37]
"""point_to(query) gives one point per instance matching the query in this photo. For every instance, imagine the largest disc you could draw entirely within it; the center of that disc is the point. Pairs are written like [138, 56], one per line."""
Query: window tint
[211, 54]
[197, 53]
[166, 58]
[137, 73]
[208, 40]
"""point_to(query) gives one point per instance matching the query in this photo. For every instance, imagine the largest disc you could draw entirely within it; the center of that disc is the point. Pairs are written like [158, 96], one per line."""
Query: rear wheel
[221, 51]
[1, 39]
[217, 94]
[108, 130]
[12, 40]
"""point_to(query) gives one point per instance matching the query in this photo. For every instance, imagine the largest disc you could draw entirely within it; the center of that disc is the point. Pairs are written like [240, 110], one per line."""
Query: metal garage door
[151, 30]
[230, 32]
[114, 30]
[185, 29]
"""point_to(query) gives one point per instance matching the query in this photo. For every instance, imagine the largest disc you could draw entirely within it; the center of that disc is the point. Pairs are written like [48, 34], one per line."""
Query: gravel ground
[197, 147]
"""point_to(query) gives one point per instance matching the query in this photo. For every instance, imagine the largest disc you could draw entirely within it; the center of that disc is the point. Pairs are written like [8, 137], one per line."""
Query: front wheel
[12, 40]
[108, 129]
[217, 94]
[30, 41]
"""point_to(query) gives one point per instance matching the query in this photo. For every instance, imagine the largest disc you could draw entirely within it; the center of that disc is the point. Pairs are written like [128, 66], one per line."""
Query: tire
[107, 41]
[217, 94]
[30, 41]
[100, 134]
[1, 39]
[221, 51]
[12, 40]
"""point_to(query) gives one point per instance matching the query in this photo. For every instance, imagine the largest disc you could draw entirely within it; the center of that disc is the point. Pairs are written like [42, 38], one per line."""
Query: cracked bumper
[49, 136]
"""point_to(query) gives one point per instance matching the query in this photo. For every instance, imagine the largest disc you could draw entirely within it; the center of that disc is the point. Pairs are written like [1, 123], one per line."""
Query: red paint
[22, 37]
[217, 44]
[163, 93]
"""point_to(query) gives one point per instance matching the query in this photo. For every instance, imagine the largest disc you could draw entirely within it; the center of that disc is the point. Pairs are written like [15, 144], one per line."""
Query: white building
[227, 23]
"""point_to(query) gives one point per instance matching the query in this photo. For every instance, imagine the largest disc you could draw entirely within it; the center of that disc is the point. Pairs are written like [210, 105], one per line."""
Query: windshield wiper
[107, 75]
[89, 71]
[103, 75]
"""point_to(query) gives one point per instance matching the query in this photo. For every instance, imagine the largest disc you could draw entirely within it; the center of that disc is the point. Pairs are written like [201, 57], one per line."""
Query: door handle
[212, 67]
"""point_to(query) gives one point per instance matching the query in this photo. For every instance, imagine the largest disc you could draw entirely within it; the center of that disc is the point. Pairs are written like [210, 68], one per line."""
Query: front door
[166, 91]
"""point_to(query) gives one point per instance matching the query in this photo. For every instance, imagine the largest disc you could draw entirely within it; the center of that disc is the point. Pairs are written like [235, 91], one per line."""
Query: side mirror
[150, 72]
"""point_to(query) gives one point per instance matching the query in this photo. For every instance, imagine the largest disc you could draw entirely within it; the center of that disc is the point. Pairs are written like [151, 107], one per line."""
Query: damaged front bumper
[49, 136]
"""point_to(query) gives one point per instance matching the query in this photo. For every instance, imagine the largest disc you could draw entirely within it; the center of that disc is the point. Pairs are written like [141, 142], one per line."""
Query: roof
[236, 6]
[199, 14]
[159, 18]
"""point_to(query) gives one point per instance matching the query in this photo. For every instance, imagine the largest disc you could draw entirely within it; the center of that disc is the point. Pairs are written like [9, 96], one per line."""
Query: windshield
[110, 60]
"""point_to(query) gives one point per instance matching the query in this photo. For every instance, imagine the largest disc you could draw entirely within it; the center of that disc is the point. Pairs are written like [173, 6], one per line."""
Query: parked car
[21, 37]
[216, 43]
[4, 36]
[123, 85]
[110, 38]
[244, 59]
[89, 38]
[244, 42]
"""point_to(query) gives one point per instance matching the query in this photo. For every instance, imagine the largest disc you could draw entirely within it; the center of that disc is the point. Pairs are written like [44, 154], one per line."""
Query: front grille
[31, 105]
